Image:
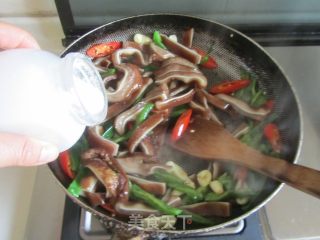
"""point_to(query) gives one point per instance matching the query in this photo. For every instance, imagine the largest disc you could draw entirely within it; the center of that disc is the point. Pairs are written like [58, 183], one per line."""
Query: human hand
[14, 37]
[18, 150]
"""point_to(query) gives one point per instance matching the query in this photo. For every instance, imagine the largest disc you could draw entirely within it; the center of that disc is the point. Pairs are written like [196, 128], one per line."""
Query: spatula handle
[297, 176]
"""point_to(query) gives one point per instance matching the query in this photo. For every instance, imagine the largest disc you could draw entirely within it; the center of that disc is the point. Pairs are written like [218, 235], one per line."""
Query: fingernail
[48, 153]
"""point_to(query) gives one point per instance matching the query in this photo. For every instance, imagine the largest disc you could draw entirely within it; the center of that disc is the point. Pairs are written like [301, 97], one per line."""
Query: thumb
[19, 150]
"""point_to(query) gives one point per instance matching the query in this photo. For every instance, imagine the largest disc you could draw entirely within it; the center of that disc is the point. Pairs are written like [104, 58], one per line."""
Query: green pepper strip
[206, 57]
[173, 182]
[229, 185]
[150, 68]
[75, 160]
[227, 181]
[255, 134]
[75, 152]
[139, 194]
[213, 197]
[124, 137]
[75, 188]
[177, 111]
[142, 116]
[246, 94]
[259, 99]
[199, 219]
[141, 95]
[251, 94]
[187, 200]
[157, 39]
[109, 132]
[108, 72]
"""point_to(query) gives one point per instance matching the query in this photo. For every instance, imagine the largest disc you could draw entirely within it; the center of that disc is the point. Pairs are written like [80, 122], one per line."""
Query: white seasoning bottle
[49, 98]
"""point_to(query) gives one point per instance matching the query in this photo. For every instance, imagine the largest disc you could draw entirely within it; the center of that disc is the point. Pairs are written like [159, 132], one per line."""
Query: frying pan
[233, 52]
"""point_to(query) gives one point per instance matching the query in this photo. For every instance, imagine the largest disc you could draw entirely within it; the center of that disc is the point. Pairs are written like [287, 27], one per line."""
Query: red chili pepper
[207, 61]
[230, 86]
[130, 125]
[269, 104]
[181, 125]
[108, 207]
[272, 134]
[65, 164]
[103, 49]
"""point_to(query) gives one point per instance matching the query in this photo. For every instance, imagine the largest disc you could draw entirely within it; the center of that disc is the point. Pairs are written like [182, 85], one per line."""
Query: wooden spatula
[208, 140]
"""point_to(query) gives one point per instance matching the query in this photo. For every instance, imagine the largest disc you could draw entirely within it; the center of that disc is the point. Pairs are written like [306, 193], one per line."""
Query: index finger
[14, 37]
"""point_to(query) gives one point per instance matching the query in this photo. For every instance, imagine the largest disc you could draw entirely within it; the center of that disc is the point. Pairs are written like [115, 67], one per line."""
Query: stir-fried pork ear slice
[96, 141]
[175, 67]
[178, 60]
[186, 77]
[121, 53]
[198, 108]
[216, 169]
[106, 80]
[174, 201]
[108, 171]
[95, 199]
[178, 89]
[129, 208]
[118, 107]
[204, 102]
[136, 167]
[171, 199]
[243, 108]
[122, 119]
[157, 188]
[240, 130]
[176, 64]
[181, 50]
[213, 100]
[102, 63]
[131, 44]
[158, 136]
[175, 101]
[89, 183]
[127, 85]
[138, 157]
[105, 174]
[147, 147]
[187, 37]
[160, 92]
[158, 53]
[219, 209]
[143, 130]
[204, 111]
[180, 69]
[213, 116]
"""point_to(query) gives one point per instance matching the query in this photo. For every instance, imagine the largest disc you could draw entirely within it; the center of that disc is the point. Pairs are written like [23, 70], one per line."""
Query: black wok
[233, 51]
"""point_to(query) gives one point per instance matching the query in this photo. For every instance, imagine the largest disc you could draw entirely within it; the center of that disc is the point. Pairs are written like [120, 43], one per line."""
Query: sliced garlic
[141, 39]
[216, 186]
[204, 178]
[173, 38]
